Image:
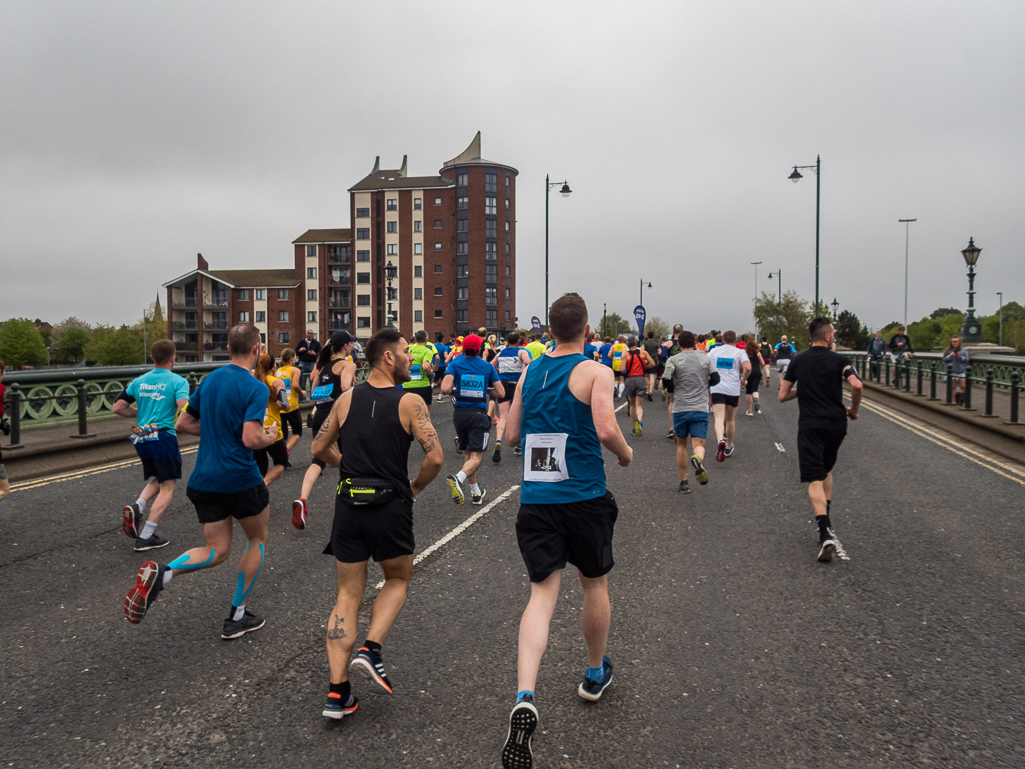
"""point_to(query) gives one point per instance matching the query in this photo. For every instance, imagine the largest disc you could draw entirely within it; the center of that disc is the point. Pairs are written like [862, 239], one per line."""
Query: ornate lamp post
[565, 192]
[834, 304]
[795, 177]
[907, 241]
[391, 271]
[971, 331]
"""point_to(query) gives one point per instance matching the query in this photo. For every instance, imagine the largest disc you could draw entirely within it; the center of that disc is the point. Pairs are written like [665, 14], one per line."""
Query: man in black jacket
[900, 347]
[307, 352]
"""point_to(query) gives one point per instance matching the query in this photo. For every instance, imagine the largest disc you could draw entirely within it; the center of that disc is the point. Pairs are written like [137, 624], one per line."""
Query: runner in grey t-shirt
[689, 374]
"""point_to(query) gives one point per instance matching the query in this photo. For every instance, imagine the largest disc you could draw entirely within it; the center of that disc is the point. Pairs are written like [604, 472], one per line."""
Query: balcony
[185, 346]
[215, 347]
[215, 325]
[338, 325]
[185, 325]
[215, 301]
[184, 302]
[338, 259]
[339, 303]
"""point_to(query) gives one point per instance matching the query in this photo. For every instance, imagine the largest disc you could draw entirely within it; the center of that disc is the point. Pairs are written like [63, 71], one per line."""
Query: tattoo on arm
[426, 435]
[337, 631]
[324, 427]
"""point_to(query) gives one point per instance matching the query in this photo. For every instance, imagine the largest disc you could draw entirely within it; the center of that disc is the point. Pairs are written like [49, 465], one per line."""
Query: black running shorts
[212, 507]
[381, 533]
[473, 428]
[161, 458]
[580, 533]
[427, 393]
[729, 400]
[816, 452]
[291, 419]
[276, 452]
[752, 385]
[510, 386]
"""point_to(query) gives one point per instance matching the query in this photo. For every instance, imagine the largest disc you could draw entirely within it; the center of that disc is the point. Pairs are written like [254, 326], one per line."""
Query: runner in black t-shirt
[822, 423]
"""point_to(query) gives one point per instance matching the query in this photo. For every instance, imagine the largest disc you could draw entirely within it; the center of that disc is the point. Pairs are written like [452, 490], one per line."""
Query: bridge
[733, 646]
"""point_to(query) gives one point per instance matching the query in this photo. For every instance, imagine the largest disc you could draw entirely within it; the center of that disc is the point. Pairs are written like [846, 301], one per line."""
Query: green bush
[21, 344]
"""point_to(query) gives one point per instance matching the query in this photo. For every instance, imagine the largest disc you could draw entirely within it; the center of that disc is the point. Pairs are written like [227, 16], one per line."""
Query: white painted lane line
[461, 527]
[619, 408]
[780, 449]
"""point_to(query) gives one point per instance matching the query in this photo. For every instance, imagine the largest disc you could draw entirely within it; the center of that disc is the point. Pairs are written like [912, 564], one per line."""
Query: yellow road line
[79, 474]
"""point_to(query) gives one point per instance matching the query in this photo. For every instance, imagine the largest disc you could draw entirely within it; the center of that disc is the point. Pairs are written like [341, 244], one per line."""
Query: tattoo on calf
[337, 631]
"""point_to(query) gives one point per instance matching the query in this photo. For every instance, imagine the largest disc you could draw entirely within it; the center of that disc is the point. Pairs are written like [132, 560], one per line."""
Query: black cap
[340, 339]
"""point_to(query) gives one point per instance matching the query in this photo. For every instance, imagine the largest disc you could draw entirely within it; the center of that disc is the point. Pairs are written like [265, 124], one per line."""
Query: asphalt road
[733, 646]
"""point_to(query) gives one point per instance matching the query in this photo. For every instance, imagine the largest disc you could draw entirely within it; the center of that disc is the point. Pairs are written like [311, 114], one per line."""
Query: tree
[943, 312]
[788, 317]
[154, 323]
[21, 344]
[73, 349]
[115, 347]
[614, 324]
[658, 327]
[850, 332]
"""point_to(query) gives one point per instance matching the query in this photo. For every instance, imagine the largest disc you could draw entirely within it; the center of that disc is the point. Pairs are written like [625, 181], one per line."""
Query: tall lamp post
[1001, 295]
[907, 240]
[641, 302]
[390, 271]
[779, 299]
[795, 177]
[834, 304]
[565, 192]
[971, 331]
[754, 315]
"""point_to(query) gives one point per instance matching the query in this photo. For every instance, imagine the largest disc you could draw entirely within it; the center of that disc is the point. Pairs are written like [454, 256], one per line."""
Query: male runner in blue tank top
[563, 414]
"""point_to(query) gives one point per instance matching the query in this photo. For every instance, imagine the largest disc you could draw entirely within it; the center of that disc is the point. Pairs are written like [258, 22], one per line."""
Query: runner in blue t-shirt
[158, 395]
[605, 352]
[439, 364]
[470, 380]
[225, 484]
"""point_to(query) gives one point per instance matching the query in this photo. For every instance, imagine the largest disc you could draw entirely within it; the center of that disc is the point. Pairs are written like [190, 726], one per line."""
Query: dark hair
[242, 338]
[384, 340]
[651, 335]
[513, 340]
[631, 342]
[685, 339]
[324, 359]
[729, 336]
[421, 337]
[568, 317]
[162, 351]
[815, 328]
[702, 337]
[439, 337]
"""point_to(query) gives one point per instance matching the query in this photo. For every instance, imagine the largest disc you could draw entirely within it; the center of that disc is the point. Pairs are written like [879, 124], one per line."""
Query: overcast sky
[135, 135]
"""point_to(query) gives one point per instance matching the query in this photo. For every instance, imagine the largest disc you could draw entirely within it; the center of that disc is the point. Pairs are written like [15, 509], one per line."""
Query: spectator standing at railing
[307, 351]
[900, 348]
[956, 357]
[5, 485]
[876, 351]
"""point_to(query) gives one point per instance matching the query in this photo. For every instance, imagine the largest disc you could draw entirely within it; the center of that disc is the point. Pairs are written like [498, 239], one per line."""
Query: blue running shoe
[371, 666]
[522, 722]
[337, 709]
[592, 690]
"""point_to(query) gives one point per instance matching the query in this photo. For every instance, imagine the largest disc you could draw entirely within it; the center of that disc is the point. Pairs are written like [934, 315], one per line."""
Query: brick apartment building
[450, 238]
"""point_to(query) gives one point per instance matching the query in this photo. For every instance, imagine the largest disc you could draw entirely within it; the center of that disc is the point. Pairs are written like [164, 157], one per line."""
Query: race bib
[288, 385]
[724, 363]
[471, 386]
[322, 392]
[415, 374]
[544, 457]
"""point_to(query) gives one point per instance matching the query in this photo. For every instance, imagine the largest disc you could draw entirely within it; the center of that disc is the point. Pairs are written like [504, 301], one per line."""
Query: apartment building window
[490, 205]
[363, 322]
[418, 293]
[462, 248]
[461, 179]
[283, 294]
[437, 224]
[418, 226]
[508, 271]
[463, 271]
[393, 227]
[363, 300]
[491, 250]
[311, 251]
[462, 203]
[362, 277]
[311, 273]
[311, 317]
[261, 316]
[393, 249]
[462, 292]
[418, 248]
[437, 246]
[362, 233]
[243, 295]
[438, 291]
[437, 201]
[243, 317]
[463, 225]
[437, 314]
[263, 339]
[508, 179]
[363, 256]
[491, 295]
[491, 317]
[490, 228]
[464, 316]
[362, 213]
[417, 204]
[437, 269]
[508, 293]
[311, 295]
[507, 247]
[491, 182]
[418, 271]
[418, 316]
[393, 204]
[261, 294]
[282, 316]
[491, 273]
[507, 226]
[282, 337]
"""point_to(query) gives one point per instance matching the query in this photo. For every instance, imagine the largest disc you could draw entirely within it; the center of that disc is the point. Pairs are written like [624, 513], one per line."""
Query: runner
[367, 436]
[754, 379]
[291, 377]
[651, 346]
[617, 354]
[784, 352]
[733, 367]
[673, 349]
[536, 347]
[5, 428]
[277, 397]
[605, 355]
[333, 375]
[566, 514]
[225, 483]
[439, 364]
[470, 381]
[160, 395]
[592, 347]
[510, 363]
[689, 375]
[816, 378]
[421, 370]
[766, 350]
[634, 363]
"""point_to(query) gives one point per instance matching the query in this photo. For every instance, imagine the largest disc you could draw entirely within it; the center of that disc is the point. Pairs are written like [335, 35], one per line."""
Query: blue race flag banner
[535, 322]
[640, 316]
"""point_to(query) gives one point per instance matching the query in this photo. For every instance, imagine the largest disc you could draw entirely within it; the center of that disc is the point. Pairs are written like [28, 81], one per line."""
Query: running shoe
[457, 490]
[494, 420]
[749, 413]
[497, 456]
[592, 690]
[662, 392]
[440, 398]
[649, 396]
[758, 406]
[701, 474]
[640, 429]
[729, 450]
[720, 452]
[152, 542]
[670, 435]
[522, 722]
[684, 487]
[299, 514]
[518, 451]
[238, 628]
[148, 584]
[337, 709]
[478, 499]
[458, 450]
[826, 549]
[131, 520]
[370, 665]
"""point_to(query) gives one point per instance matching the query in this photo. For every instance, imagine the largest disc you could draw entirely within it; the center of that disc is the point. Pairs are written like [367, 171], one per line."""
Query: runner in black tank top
[374, 424]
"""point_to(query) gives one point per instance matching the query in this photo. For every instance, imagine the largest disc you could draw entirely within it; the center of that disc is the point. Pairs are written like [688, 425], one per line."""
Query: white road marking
[840, 552]
[780, 449]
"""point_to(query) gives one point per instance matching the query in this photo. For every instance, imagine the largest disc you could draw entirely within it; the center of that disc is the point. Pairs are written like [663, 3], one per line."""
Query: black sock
[373, 647]
[828, 503]
[823, 522]
[343, 689]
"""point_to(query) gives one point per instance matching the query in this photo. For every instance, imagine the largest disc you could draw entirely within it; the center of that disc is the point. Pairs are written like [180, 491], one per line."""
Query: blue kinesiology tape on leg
[241, 591]
[182, 562]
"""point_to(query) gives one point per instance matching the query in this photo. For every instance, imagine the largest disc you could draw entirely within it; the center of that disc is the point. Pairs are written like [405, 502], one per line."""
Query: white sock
[461, 476]
[474, 488]
[239, 613]
[147, 530]
[167, 576]
[141, 503]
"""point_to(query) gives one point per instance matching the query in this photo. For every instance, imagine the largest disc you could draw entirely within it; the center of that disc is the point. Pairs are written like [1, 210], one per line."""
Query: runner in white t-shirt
[733, 367]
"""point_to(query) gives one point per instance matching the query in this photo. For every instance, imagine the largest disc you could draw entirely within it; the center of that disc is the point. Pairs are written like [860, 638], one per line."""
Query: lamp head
[565, 191]
[796, 176]
[391, 271]
[971, 254]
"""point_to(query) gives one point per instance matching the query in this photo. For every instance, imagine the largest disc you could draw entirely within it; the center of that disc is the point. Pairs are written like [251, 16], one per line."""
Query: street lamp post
[796, 177]
[391, 271]
[641, 302]
[604, 324]
[970, 331]
[1001, 295]
[755, 316]
[779, 299]
[907, 239]
[834, 304]
[565, 191]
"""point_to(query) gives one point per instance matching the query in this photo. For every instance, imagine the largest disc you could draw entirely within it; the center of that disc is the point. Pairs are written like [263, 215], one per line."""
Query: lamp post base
[971, 331]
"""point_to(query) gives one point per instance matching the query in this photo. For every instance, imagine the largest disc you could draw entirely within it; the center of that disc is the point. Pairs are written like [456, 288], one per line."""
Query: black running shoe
[497, 456]
[457, 490]
[299, 514]
[522, 722]
[684, 487]
[728, 451]
[518, 451]
[131, 520]
[701, 474]
[720, 452]
[458, 450]
[478, 498]
[371, 666]
[670, 435]
[153, 542]
[238, 628]
[758, 406]
[826, 549]
[592, 690]
[337, 709]
[649, 396]
[148, 584]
